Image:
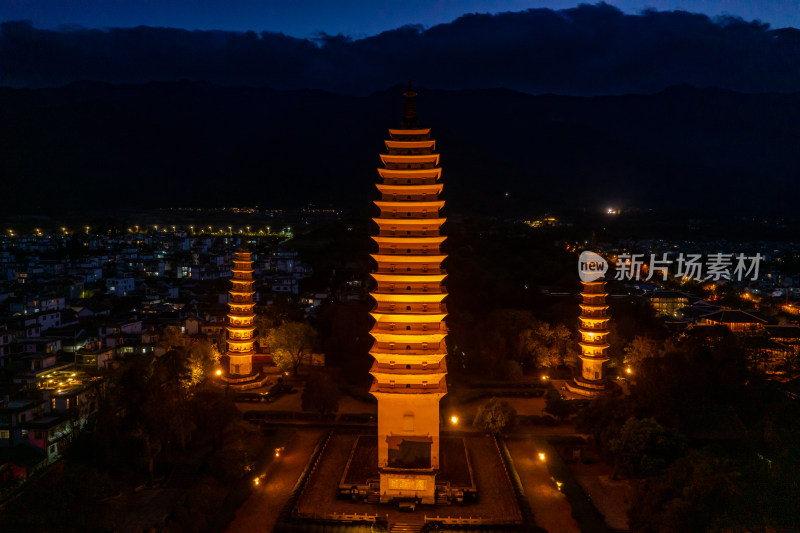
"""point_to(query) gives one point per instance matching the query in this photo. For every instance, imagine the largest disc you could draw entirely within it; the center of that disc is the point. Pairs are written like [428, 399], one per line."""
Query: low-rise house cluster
[72, 308]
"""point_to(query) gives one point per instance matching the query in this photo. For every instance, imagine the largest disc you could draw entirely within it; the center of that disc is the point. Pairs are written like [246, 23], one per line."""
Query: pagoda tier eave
[599, 346]
[400, 368]
[408, 357]
[410, 278]
[410, 158]
[438, 239]
[429, 380]
[427, 297]
[408, 338]
[410, 145]
[436, 222]
[596, 359]
[409, 131]
[408, 258]
[593, 332]
[240, 354]
[406, 204]
[378, 390]
[410, 317]
[387, 188]
[410, 173]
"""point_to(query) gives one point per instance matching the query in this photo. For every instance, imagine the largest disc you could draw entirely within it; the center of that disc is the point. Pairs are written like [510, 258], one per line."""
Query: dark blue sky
[357, 18]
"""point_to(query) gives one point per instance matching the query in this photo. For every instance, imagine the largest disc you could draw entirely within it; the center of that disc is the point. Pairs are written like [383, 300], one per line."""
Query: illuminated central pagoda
[241, 325]
[409, 349]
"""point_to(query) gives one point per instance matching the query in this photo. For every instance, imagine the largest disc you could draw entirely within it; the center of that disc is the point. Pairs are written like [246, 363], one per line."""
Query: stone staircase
[409, 525]
[374, 497]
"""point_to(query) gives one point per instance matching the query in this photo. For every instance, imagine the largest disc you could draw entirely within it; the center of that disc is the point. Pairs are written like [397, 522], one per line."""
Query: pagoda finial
[410, 113]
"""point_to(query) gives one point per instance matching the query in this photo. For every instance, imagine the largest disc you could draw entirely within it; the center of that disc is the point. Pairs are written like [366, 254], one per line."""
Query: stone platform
[455, 481]
[473, 464]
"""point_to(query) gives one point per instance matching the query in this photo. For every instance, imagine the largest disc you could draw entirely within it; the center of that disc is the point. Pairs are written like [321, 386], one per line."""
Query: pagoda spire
[410, 112]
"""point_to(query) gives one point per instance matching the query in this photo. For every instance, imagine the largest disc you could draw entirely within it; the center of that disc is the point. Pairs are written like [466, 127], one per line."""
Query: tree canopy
[321, 394]
[495, 416]
[290, 345]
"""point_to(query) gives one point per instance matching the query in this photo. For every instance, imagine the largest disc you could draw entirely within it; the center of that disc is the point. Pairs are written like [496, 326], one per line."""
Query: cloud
[589, 49]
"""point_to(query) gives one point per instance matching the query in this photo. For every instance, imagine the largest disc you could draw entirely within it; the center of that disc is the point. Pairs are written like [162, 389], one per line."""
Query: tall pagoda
[409, 349]
[594, 345]
[241, 325]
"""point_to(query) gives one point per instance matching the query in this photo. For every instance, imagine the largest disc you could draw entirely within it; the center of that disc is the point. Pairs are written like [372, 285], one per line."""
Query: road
[550, 507]
[260, 511]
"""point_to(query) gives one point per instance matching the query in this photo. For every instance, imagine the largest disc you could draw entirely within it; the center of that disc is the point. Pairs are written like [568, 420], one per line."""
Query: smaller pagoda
[594, 345]
[241, 327]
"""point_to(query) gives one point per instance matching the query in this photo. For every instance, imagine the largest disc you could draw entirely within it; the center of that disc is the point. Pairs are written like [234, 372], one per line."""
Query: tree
[495, 416]
[215, 413]
[557, 406]
[549, 346]
[699, 492]
[512, 371]
[644, 447]
[172, 338]
[321, 394]
[203, 357]
[290, 345]
[639, 349]
[264, 323]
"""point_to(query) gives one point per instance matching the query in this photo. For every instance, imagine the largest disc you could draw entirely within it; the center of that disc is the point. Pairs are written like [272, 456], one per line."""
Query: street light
[219, 372]
[542, 456]
[454, 420]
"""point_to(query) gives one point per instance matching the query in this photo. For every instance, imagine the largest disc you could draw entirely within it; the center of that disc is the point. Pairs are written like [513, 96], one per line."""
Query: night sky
[356, 18]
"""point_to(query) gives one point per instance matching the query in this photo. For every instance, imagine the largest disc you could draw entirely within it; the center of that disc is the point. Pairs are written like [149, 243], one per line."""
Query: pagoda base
[585, 387]
[453, 483]
[418, 487]
[241, 383]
